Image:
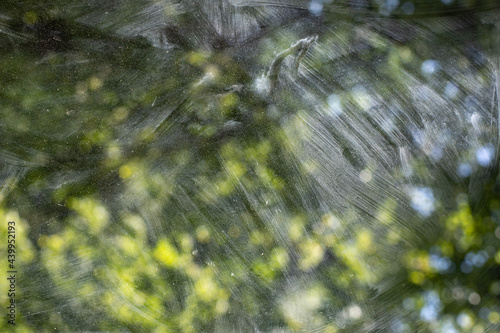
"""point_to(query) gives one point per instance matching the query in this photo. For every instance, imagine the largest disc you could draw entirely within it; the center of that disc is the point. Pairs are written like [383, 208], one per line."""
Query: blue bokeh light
[451, 90]
[430, 311]
[422, 200]
[484, 155]
[334, 104]
[430, 66]
[316, 7]
[464, 170]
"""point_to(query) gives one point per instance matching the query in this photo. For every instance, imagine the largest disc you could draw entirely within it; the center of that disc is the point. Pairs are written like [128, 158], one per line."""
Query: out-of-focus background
[251, 166]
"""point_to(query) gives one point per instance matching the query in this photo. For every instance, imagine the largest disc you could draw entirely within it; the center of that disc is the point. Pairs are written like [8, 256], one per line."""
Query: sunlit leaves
[166, 254]
[94, 215]
[463, 228]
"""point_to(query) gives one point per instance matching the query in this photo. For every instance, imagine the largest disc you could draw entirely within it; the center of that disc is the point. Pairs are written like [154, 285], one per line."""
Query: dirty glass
[249, 166]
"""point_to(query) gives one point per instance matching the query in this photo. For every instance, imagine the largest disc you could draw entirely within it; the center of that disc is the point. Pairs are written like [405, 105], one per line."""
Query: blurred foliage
[167, 188]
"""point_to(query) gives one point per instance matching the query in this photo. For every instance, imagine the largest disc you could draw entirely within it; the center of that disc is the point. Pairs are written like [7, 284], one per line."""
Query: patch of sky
[334, 104]
[448, 327]
[422, 200]
[476, 259]
[464, 170]
[441, 264]
[484, 155]
[432, 307]
[451, 90]
[464, 320]
[430, 66]
[436, 153]
[316, 6]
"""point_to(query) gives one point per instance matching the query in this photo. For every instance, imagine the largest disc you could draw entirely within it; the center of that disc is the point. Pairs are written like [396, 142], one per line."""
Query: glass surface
[250, 166]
